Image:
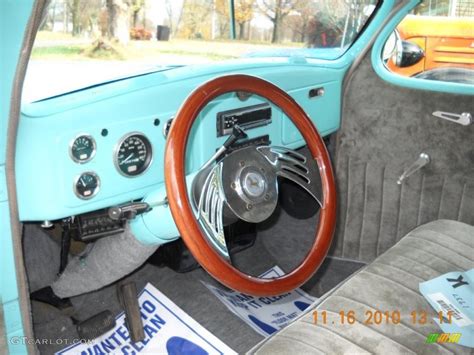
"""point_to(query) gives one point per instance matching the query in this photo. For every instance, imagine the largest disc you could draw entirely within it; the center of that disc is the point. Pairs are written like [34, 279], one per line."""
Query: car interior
[337, 173]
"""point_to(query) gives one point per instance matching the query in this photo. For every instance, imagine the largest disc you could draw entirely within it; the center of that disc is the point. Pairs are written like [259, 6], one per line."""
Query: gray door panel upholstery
[384, 130]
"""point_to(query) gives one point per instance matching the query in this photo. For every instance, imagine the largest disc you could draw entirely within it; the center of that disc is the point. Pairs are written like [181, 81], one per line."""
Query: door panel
[384, 129]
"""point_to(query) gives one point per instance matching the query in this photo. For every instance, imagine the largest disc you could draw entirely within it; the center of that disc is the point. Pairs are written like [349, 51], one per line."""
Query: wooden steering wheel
[245, 182]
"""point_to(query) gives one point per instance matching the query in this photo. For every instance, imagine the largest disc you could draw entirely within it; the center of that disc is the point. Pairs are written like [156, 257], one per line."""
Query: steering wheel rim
[180, 204]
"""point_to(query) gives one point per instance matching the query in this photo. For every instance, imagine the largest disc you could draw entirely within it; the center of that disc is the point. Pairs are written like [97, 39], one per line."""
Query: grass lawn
[59, 52]
[62, 46]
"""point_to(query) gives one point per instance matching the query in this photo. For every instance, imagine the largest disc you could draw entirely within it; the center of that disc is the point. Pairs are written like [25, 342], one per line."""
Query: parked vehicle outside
[443, 41]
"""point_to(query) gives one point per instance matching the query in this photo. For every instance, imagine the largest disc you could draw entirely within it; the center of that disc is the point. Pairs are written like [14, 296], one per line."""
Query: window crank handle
[423, 160]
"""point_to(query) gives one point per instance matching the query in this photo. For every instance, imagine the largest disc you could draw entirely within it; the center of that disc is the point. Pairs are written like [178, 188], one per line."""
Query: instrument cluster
[132, 156]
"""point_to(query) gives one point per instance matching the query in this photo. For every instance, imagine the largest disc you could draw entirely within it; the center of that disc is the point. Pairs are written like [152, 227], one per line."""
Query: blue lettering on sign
[115, 340]
[149, 307]
[243, 297]
[236, 303]
[98, 350]
[270, 300]
[107, 345]
[157, 321]
[126, 350]
[136, 346]
[123, 332]
[150, 330]
[113, 337]
[143, 315]
[222, 293]
[254, 304]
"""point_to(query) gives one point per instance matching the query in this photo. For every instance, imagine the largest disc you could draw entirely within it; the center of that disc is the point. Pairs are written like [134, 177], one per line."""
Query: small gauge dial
[82, 149]
[87, 185]
[133, 155]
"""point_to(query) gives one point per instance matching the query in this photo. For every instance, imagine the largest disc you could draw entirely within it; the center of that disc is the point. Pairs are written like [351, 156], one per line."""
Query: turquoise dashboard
[47, 173]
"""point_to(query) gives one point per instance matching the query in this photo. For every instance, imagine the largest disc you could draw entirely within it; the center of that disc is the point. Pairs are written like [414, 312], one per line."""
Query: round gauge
[133, 155]
[82, 149]
[87, 185]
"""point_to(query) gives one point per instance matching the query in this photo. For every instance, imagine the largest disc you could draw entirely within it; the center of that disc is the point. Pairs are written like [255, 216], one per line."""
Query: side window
[434, 42]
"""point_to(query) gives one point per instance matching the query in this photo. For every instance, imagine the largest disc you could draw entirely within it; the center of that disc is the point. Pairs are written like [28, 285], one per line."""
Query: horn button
[253, 184]
[250, 184]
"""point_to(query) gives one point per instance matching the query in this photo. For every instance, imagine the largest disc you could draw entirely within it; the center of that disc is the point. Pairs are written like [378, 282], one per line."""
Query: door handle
[423, 160]
[464, 118]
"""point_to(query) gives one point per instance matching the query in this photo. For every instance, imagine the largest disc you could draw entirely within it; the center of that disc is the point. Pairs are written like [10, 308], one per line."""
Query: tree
[118, 20]
[180, 17]
[74, 9]
[83, 14]
[169, 12]
[300, 18]
[50, 19]
[221, 8]
[243, 14]
[196, 19]
[276, 11]
[136, 6]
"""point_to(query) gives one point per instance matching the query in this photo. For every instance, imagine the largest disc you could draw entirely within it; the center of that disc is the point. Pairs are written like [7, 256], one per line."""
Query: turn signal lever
[237, 134]
[128, 210]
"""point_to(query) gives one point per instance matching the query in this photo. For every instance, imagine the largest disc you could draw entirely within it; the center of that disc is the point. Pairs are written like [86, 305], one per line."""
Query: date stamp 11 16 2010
[371, 317]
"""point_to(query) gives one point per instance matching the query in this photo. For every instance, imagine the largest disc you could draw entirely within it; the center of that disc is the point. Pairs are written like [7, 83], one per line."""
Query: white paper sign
[265, 315]
[168, 330]
[444, 305]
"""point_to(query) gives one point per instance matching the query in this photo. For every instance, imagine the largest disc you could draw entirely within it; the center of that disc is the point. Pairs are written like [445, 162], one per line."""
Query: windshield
[88, 42]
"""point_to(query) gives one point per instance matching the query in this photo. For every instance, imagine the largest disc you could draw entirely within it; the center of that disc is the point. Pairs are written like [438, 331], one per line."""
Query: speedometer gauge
[133, 154]
[82, 148]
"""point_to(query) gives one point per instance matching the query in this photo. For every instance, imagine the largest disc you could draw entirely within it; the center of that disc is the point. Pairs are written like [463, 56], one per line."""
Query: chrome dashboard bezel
[117, 148]
[94, 148]
[96, 191]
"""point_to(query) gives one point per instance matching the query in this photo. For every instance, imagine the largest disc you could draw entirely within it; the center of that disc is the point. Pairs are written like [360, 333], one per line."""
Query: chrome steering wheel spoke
[244, 184]
[295, 167]
[210, 211]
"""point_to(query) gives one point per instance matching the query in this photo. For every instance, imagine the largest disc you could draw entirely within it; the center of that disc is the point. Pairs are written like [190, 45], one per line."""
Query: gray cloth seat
[389, 283]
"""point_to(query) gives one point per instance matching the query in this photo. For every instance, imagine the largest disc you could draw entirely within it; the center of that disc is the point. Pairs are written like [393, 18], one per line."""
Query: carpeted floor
[281, 241]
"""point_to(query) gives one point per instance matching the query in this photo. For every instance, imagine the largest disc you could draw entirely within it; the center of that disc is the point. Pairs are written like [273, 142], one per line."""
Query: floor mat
[168, 330]
[186, 290]
[265, 315]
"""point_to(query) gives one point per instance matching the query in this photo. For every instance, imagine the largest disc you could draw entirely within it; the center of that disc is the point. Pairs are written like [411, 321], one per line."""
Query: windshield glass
[89, 42]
